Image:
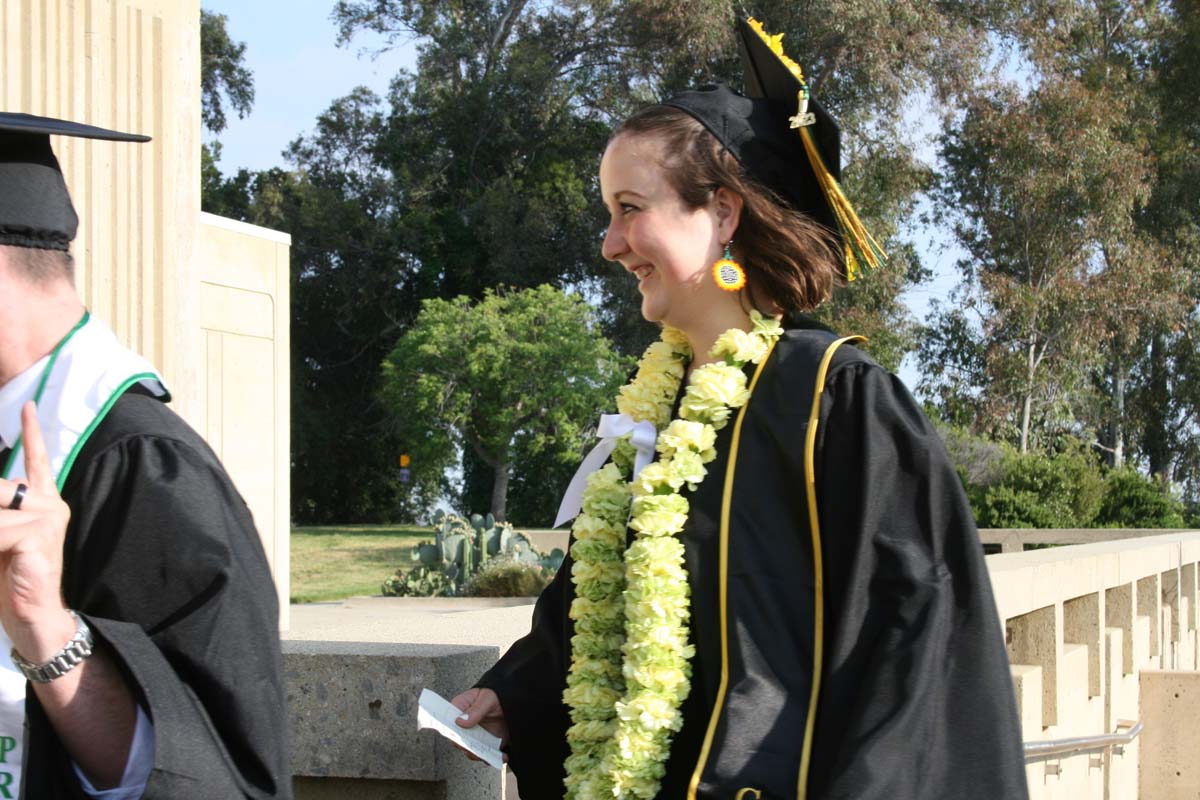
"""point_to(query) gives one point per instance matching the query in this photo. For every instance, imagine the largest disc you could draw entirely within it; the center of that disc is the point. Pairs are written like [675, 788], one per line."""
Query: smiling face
[667, 245]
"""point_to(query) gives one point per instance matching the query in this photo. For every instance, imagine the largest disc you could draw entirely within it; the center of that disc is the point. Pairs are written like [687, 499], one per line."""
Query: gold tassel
[862, 251]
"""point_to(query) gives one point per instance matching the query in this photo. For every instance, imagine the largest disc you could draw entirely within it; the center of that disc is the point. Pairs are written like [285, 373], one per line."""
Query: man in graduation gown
[147, 625]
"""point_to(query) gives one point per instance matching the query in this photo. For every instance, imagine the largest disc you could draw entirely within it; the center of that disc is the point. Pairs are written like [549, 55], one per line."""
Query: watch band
[70, 656]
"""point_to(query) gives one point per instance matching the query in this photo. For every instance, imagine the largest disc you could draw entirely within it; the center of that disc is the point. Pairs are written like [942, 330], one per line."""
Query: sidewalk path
[420, 620]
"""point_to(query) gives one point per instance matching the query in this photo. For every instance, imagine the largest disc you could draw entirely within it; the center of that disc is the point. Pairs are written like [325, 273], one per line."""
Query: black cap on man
[35, 206]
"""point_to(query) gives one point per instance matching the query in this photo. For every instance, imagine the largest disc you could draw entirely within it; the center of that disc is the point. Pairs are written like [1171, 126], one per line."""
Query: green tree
[517, 373]
[353, 291]
[224, 79]
[1133, 63]
[478, 170]
[1111, 50]
[1167, 384]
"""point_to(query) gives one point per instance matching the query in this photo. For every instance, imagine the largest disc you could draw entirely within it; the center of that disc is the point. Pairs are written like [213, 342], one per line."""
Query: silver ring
[18, 497]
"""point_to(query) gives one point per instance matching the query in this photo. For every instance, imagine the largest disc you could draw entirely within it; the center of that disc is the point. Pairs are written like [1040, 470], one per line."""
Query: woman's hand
[31, 553]
[482, 707]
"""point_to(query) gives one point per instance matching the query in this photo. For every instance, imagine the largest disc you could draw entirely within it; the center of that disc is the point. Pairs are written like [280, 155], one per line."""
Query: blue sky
[299, 70]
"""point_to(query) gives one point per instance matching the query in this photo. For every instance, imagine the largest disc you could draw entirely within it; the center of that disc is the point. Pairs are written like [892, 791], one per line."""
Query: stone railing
[1082, 624]
[1017, 540]
[1099, 636]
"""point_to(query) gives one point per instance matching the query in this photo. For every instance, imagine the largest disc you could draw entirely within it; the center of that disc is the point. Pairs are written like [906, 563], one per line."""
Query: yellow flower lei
[630, 655]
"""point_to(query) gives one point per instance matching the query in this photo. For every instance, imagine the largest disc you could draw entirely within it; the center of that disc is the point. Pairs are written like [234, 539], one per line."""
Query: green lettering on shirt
[7, 745]
[6, 780]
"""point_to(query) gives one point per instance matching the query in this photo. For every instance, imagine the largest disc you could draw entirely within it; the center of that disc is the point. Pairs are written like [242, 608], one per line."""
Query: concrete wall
[245, 408]
[353, 713]
[1017, 540]
[1169, 702]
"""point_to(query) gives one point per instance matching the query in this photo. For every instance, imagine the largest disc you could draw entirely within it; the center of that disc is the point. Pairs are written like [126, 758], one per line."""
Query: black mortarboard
[35, 206]
[786, 141]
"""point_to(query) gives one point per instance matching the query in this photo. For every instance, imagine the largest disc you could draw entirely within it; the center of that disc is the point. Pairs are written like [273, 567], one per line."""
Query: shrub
[1040, 491]
[1132, 500]
[1005, 507]
[507, 577]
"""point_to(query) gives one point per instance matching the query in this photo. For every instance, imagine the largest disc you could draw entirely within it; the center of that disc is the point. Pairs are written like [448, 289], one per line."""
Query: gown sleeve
[164, 562]
[529, 679]
[917, 699]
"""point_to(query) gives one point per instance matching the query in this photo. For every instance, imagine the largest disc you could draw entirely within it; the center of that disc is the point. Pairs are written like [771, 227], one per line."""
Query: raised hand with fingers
[81, 691]
[33, 524]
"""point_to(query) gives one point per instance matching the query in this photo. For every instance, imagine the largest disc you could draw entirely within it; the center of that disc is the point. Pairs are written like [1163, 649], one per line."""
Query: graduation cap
[784, 139]
[35, 207]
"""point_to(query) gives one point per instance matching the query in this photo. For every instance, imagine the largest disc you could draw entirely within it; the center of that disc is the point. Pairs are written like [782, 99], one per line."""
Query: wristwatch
[65, 660]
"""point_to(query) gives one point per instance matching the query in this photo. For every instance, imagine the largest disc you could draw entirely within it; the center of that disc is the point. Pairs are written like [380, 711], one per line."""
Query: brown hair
[41, 267]
[788, 257]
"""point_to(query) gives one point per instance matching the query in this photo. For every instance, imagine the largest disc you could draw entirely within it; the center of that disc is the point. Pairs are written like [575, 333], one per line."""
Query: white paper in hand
[436, 713]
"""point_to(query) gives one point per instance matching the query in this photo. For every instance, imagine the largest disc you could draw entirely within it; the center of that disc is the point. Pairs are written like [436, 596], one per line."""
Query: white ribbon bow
[612, 427]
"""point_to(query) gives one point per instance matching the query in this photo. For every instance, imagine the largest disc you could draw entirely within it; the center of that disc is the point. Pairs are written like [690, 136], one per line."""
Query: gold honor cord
[810, 485]
[722, 586]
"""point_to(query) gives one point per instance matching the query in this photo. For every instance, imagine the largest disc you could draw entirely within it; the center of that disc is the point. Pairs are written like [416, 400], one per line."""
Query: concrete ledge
[352, 710]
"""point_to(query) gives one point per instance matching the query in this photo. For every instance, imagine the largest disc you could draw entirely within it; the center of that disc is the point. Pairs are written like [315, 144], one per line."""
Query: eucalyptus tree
[1167, 393]
[1084, 122]
[1020, 198]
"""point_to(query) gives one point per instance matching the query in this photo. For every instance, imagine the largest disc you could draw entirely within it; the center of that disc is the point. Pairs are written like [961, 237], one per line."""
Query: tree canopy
[224, 78]
[1065, 165]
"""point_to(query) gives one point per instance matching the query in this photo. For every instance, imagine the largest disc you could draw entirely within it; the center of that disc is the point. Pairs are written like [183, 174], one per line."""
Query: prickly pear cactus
[461, 546]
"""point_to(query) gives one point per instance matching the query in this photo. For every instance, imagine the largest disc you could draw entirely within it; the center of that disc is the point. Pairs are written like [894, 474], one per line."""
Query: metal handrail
[1083, 744]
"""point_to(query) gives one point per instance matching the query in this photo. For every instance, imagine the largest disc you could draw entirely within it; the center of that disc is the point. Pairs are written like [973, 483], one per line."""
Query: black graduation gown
[915, 699]
[162, 559]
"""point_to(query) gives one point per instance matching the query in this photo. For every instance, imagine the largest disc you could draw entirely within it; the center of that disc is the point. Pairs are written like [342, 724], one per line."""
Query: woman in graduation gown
[799, 605]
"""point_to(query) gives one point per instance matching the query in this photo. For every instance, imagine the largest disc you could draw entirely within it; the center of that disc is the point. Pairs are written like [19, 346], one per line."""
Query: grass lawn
[330, 563]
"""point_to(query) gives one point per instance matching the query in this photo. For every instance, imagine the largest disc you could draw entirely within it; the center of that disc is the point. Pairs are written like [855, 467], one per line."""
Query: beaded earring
[728, 273]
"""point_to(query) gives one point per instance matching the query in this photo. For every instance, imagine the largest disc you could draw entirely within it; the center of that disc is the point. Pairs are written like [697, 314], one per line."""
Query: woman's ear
[728, 206]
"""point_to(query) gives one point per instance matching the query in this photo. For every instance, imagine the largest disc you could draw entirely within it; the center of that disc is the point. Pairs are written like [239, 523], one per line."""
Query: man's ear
[728, 206]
